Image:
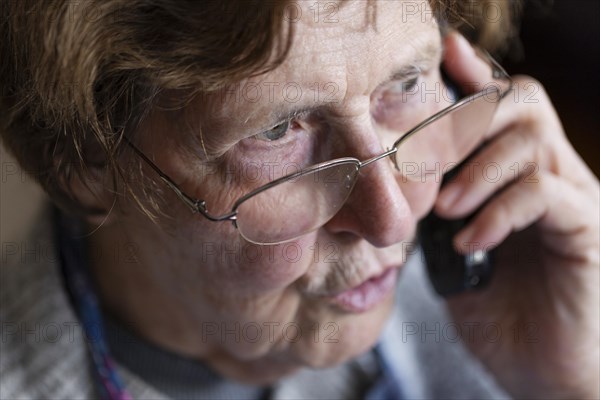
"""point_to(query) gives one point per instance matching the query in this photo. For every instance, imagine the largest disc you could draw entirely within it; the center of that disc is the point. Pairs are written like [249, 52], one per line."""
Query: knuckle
[541, 187]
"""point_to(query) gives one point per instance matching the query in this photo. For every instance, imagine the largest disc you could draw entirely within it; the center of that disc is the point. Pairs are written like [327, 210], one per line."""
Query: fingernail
[449, 196]
[465, 237]
[463, 45]
[461, 39]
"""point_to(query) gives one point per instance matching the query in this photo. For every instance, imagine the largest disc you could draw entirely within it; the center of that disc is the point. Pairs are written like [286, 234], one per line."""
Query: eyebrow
[423, 60]
[280, 115]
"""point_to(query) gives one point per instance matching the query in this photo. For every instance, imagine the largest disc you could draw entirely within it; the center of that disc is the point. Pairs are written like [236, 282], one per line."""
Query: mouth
[368, 294]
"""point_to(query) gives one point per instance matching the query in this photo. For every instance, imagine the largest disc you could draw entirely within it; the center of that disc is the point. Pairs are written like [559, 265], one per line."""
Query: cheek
[423, 160]
[420, 195]
[228, 263]
[214, 253]
[275, 268]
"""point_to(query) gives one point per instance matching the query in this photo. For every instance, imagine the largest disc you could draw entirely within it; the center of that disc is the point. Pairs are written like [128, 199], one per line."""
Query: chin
[342, 337]
[329, 337]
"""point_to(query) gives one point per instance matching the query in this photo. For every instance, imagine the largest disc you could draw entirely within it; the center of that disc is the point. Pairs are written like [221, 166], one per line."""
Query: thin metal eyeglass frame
[199, 206]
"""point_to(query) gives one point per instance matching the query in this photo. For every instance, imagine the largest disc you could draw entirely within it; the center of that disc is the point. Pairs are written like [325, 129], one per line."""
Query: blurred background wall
[560, 46]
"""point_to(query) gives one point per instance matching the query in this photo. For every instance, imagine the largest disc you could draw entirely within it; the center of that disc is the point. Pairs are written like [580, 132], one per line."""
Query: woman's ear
[96, 194]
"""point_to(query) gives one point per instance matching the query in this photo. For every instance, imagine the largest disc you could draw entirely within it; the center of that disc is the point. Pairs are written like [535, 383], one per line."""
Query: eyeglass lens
[438, 147]
[302, 204]
[296, 206]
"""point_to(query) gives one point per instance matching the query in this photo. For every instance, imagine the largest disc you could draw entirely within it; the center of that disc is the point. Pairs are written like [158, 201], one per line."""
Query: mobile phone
[450, 272]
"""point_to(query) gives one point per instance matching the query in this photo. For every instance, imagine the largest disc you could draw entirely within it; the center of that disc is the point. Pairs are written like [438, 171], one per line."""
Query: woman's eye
[290, 141]
[398, 101]
[277, 132]
[410, 85]
[405, 87]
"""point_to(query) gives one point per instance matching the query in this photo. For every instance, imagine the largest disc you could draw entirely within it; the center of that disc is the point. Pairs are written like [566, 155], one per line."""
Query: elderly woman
[239, 186]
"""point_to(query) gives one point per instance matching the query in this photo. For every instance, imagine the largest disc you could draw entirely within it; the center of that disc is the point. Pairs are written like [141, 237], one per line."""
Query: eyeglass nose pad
[349, 181]
[394, 160]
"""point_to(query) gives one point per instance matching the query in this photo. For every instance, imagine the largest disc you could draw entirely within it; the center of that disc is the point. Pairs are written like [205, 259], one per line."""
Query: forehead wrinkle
[335, 62]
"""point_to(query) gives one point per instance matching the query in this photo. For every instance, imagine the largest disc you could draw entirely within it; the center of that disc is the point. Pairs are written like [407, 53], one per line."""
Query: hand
[539, 319]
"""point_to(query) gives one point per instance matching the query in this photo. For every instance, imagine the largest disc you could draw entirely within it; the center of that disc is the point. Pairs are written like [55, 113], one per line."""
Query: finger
[527, 104]
[511, 156]
[473, 74]
[464, 66]
[552, 202]
[528, 108]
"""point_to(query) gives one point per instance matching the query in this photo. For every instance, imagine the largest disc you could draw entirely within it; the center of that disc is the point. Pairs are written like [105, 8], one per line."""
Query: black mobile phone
[451, 272]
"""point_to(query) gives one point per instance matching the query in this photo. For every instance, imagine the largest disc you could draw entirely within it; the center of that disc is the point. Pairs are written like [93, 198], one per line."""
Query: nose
[376, 210]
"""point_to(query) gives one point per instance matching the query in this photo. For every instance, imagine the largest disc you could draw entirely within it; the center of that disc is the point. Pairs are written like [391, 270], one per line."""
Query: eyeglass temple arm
[195, 205]
[498, 71]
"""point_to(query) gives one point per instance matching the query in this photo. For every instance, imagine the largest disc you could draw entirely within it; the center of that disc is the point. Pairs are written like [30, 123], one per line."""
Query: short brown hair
[75, 77]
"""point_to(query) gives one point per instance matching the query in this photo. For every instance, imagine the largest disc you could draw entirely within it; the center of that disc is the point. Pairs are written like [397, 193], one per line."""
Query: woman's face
[257, 312]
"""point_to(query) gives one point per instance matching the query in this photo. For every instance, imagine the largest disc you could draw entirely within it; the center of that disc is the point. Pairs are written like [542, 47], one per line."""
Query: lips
[368, 294]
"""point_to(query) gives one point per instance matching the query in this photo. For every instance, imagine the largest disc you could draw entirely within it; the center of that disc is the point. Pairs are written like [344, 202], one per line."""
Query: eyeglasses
[296, 204]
